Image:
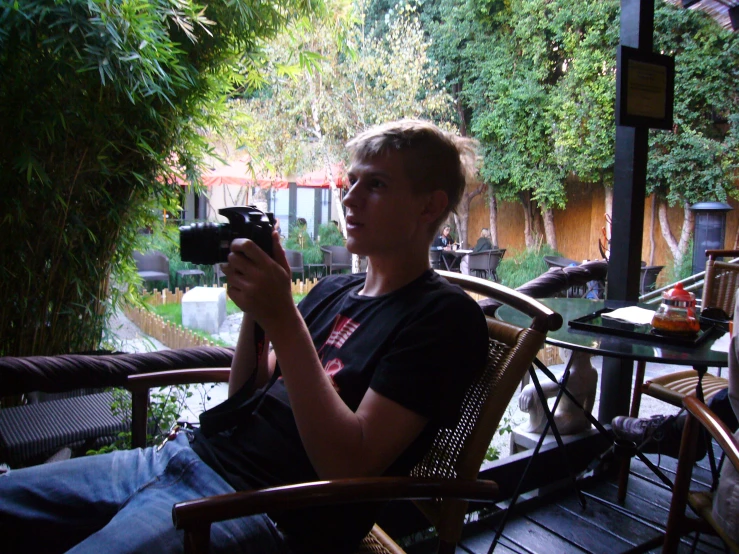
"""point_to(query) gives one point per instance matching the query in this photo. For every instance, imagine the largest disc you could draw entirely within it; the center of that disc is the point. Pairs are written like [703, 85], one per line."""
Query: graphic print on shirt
[341, 331]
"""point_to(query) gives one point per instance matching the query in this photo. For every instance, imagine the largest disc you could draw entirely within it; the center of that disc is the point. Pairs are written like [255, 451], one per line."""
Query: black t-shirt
[418, 346]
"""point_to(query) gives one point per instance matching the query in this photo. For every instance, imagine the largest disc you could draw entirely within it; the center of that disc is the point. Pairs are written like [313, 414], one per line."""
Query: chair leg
[682, 484]
[623, 477]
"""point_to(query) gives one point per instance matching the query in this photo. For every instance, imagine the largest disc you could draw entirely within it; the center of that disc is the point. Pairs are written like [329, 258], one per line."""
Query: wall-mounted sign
[645, 87]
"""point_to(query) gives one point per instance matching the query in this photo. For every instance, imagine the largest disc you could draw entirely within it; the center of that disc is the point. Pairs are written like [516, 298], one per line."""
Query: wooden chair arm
[205, 511]
[145, 381]
[717, 428]
[544, 319]
[140, 384]
[722, 253]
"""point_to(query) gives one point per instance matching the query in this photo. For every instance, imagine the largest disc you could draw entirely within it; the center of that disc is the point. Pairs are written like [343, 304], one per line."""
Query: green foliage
[299, 238]
[98, 101]
[517, 268]
[165, 407]
[330, 235]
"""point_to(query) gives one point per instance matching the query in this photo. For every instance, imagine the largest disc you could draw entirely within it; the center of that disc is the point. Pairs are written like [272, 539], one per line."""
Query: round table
[604, 344]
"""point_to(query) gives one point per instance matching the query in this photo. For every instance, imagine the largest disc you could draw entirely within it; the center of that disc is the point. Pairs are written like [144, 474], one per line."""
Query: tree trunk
[459, 107]
[494, 219]
[609, 210]
[652, 213]
[547, 215]
[677, 248]
[528, 232]
[462, 215]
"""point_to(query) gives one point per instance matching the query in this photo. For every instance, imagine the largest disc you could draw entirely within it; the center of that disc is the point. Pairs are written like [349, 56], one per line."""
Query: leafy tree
[312, 106]
[698, 158]
[99, 100]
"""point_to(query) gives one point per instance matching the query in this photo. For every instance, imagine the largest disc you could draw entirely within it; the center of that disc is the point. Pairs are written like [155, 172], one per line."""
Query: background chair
[295, 259]
[336, 258]
[559, 261]
[152, 266]
[454, 458]
[485, 264]
[648, 280]
[678, 523]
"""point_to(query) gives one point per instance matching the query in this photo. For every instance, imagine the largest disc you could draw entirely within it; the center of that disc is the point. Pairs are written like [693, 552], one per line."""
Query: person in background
[483, 244]
[444, 241]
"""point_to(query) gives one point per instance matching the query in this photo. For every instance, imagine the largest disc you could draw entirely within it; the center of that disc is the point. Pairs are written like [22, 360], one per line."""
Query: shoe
[657, 435]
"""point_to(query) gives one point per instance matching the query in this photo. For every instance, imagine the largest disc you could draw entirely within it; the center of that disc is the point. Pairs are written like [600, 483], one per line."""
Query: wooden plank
[525, 534]
[481, 544]
[577, 530]
[613, 521]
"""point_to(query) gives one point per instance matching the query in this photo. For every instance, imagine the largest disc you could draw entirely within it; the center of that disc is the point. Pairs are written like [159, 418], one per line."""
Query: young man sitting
[367, 377]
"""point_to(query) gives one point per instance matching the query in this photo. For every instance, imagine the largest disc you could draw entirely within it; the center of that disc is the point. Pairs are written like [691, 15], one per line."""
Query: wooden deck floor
[558, 524]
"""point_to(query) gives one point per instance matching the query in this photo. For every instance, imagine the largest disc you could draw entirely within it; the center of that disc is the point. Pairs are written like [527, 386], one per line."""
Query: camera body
[210, 243]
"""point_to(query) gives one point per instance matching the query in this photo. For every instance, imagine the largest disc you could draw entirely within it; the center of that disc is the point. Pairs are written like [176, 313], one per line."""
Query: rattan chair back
[721, 281]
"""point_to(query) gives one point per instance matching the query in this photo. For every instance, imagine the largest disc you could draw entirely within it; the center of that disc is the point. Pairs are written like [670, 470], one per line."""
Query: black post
[630, 179]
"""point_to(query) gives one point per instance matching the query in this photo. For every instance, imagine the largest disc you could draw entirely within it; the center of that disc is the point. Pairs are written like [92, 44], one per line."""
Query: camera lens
[205, 243]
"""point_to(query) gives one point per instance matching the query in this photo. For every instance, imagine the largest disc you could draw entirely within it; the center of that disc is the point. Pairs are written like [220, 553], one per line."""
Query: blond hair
[435, 159]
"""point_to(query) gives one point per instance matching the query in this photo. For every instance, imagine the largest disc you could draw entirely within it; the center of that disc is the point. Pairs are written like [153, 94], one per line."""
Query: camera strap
[236, 408]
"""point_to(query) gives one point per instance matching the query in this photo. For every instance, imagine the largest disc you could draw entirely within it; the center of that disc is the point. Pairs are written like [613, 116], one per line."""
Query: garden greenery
[103, 104]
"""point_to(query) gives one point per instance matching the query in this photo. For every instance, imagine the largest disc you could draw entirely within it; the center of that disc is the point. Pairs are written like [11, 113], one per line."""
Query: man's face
[384, 216]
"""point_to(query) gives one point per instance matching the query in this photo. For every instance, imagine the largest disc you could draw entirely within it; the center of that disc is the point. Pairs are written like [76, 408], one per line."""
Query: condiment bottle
[676, 313]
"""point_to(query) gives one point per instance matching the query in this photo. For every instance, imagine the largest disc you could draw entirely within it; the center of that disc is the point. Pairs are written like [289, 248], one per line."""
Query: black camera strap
[236, 408]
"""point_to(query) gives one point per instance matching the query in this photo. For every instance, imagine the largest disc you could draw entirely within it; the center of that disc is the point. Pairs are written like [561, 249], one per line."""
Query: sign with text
[644, 89]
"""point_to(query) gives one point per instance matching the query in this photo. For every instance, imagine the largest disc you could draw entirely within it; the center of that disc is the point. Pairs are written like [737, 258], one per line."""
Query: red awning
[322, 178]
[241, 174]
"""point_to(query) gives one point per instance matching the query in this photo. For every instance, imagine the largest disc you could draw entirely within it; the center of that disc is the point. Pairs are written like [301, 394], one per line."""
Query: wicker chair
[152, 266]
[485, 264]
[719, 291]
[295, 259]
[678, 523]
[336, 258]
[448, 471]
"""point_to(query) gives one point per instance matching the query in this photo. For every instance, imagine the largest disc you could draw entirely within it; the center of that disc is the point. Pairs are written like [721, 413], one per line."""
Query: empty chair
[336, 258]
[152, 266]
[558, 261]
[648, 279]
[295, 259]
[485, 264]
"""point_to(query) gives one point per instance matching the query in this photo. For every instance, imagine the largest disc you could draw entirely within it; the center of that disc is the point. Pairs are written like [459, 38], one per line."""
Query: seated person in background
[444, 241]
[359, 379]
[483, 244]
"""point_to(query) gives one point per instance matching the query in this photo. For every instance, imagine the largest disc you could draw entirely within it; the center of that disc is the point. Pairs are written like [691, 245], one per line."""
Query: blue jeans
[120, 502]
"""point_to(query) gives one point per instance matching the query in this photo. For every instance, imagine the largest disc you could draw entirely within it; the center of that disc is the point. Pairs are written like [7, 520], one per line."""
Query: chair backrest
[494, 259]
[699, 415]
[295, 259]
[721, 281]
[558, 261]
[648, 279]
[459, 452]
[339, 254]
[151, 261]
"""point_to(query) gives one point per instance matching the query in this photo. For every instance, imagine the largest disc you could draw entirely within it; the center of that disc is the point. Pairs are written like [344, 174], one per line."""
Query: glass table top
[603, 344]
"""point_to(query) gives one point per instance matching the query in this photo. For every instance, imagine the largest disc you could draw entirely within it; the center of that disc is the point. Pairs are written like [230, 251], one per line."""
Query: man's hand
[258, 284]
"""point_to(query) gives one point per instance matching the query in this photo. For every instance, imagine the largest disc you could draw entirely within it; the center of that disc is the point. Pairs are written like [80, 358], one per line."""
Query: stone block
[204, 308]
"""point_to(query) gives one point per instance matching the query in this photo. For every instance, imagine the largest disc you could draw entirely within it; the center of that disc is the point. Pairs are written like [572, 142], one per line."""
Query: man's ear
[436, 203]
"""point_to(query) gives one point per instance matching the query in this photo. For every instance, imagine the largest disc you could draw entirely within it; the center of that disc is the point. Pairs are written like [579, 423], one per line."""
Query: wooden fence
[174, 335]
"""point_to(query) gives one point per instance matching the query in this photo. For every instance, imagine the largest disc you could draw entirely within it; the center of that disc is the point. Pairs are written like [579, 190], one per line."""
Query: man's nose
[351, 198]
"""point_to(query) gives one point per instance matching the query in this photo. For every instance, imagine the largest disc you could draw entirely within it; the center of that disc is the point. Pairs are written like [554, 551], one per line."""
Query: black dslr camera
[210, 243]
